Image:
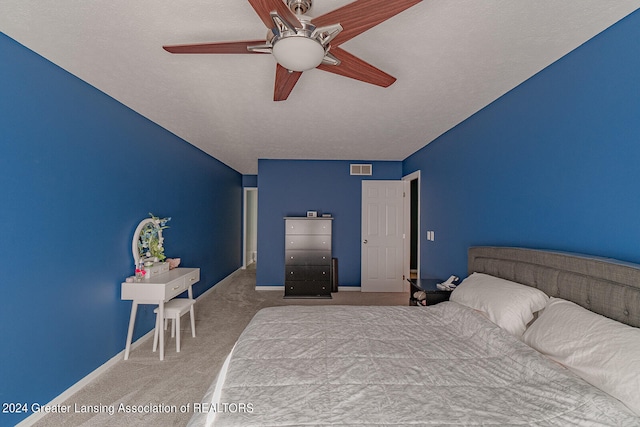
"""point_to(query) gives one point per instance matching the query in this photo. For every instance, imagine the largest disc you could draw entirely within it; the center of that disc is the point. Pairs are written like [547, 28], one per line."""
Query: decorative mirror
[147, 244]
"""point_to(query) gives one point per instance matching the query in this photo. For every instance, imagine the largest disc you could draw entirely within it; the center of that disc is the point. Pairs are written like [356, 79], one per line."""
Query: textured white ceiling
[451, 58]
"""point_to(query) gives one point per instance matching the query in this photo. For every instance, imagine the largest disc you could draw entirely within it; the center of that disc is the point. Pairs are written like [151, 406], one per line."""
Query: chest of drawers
[307, 257]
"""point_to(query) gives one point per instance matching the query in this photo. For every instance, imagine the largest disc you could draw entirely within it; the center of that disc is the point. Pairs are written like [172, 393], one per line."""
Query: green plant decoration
[151, 241]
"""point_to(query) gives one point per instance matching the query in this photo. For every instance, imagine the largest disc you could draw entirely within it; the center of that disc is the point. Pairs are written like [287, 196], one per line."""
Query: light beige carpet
[183, 378]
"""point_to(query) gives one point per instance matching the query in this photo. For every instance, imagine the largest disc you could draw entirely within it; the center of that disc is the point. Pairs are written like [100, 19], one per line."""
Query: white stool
[173, 310]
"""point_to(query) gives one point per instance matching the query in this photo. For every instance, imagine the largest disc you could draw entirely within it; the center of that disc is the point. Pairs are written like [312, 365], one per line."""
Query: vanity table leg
[132, 321]
[161, 316]
[192, 313]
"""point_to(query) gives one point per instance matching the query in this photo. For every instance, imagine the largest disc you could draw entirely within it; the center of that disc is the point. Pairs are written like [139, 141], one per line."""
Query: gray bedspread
[439, 365]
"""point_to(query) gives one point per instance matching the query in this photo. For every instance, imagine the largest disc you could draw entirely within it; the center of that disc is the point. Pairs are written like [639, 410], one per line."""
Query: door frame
[407, 224]
[245, 242]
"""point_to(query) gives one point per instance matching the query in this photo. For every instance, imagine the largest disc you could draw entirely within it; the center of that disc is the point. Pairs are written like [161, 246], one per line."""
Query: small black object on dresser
[433, 295]
[307, 257]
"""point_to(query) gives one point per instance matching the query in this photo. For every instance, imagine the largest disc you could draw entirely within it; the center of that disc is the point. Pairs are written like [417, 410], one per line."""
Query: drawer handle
[192, 279]
[177, 287]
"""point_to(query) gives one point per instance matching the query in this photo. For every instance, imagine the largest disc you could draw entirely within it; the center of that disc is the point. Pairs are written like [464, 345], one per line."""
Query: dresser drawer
[191, 278]
[304, 257]
[157, 269]
[308, 242]
[143, 291]
[309, 289]
[174, 288]
[310, 273]
[308, 226]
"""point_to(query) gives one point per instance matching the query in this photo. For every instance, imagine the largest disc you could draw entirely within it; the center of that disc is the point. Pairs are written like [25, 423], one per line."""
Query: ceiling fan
[300, 43]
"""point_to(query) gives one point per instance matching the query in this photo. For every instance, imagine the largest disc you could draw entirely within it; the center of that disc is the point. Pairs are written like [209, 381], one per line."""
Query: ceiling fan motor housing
[299, 7]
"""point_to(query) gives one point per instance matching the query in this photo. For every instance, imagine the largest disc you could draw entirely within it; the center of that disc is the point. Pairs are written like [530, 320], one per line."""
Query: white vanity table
[157, 290]
[158, 283]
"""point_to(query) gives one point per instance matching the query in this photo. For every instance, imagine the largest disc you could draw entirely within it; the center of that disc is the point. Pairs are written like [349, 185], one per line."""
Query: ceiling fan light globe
[298, 53]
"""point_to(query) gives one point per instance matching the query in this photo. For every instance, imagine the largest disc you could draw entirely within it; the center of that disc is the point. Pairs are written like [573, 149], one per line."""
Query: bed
[530, 337]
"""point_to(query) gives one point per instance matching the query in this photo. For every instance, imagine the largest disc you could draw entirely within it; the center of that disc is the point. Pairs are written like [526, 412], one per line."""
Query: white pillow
[508, 304]
[602, 351]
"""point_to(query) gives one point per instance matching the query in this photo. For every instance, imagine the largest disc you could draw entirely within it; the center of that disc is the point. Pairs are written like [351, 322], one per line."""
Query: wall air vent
[361, 169]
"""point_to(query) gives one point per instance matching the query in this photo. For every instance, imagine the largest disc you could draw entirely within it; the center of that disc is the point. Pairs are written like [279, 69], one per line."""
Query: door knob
[365, 241]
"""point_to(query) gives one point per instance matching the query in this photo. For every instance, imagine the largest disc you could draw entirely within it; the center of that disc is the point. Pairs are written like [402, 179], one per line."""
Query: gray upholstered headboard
[602, 285]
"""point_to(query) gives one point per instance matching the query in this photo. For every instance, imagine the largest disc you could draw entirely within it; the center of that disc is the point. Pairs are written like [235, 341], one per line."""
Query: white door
[382, 236]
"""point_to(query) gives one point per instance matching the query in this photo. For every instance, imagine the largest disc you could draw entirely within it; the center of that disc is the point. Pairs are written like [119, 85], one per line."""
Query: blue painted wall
[555, 163]
[78, 171]
[249, 180]
[293, 187]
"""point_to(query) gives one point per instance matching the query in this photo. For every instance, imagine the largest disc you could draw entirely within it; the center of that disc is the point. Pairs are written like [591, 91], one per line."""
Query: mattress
[438, 365]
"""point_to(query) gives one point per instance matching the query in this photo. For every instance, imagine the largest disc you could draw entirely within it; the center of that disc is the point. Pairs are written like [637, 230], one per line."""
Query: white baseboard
[58, 400]
[349, 288]
[269, 288]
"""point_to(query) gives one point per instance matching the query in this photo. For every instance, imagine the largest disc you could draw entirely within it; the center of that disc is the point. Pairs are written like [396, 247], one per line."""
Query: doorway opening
[412, 223]
[413, 252]
[250, 228]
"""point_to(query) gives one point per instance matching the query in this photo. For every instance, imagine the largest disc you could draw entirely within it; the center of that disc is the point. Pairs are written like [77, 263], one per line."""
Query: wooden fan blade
[264, 8]
[285, 81]
[222, 47]
[355, 68]
[361, 15]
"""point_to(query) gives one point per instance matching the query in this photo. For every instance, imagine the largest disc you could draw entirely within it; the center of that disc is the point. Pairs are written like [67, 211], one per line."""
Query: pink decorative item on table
[173, 262]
